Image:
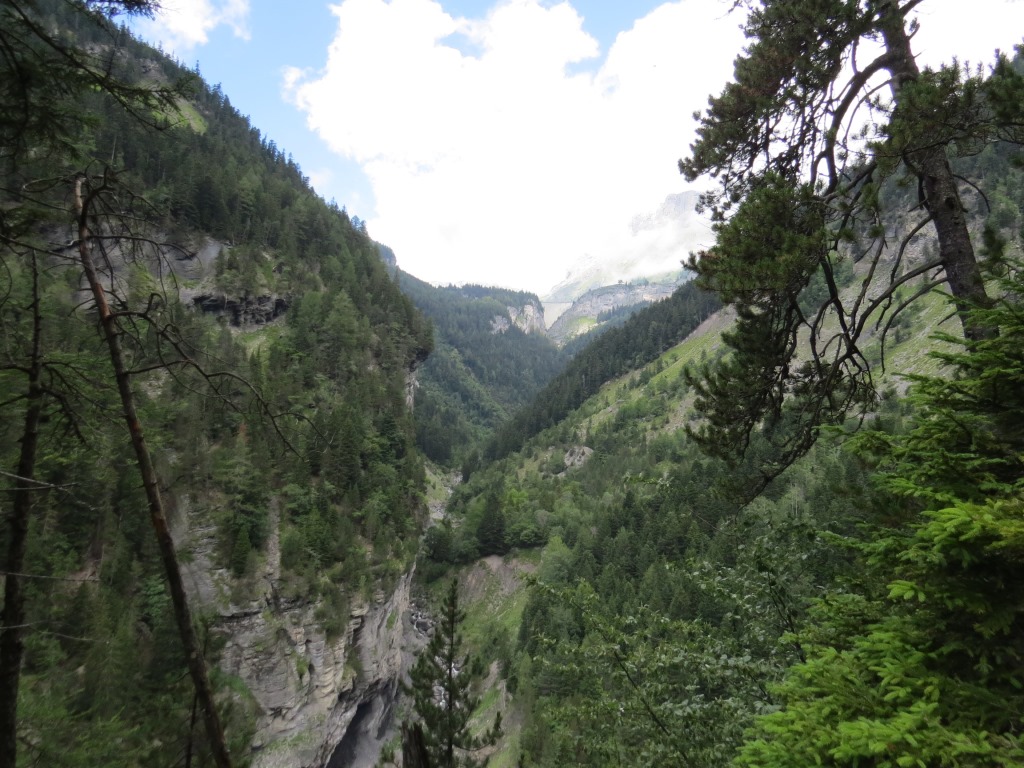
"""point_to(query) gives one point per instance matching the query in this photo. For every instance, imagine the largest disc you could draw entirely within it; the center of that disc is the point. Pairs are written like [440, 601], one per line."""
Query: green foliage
[442, 691]
[490, 532]
[476, 376]
[316, 403]
[660, 584]
[673, 565]
[751, 386]
[798, 197]
[644, 524]
[47, 72]
[643, 689]
[638, 341]
[930, 673]
[669, 646]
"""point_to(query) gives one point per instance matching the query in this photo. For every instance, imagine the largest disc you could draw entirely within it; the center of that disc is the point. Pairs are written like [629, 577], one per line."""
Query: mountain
[611, 304]
[673, 614]
[262, 352]
[642, 338]
[491, 356]
[600, 293]
[647, 557]
[173, 289]
[658, 242]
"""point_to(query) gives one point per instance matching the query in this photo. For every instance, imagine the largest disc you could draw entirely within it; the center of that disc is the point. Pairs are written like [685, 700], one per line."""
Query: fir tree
[924, 666]
[491, 531]
[442, 682]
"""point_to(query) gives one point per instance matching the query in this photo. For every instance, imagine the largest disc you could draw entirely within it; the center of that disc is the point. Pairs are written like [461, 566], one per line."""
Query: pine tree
[800, 197]
[441, 687]
[491, 531]
[44, 78]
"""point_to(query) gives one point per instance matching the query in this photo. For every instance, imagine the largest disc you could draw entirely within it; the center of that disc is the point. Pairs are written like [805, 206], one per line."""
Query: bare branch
[924, 289]
[893, 287]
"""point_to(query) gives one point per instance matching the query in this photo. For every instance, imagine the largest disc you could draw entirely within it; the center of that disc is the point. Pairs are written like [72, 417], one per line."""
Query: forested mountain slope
[175, 299]
[265, 349]
[641, 339]
[852, 612]
[660, 626]
[491, 356]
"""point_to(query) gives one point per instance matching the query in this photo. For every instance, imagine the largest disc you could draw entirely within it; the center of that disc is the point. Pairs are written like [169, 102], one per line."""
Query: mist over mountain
[657, 243]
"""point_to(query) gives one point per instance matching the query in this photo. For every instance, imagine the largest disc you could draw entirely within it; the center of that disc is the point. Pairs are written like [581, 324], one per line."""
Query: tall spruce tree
[801, 142]
[490, 533]
[443, 700]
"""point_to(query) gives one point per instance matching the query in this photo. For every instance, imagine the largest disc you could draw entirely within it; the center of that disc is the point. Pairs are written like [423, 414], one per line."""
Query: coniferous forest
[774, 520]
[296, 436]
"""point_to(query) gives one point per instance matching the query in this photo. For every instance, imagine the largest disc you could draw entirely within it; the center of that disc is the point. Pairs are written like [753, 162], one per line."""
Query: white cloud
[504, 149]
[320, 178]
[973, 37]
[184, 24]
[490, 161]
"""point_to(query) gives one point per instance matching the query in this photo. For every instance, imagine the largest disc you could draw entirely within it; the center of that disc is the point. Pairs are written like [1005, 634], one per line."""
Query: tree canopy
[923, 667]
[808, 148]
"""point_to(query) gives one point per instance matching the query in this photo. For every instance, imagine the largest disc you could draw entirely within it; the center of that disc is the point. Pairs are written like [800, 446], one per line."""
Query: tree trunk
[179, 598]
[941, 195]
[414, 749]
[12, 620]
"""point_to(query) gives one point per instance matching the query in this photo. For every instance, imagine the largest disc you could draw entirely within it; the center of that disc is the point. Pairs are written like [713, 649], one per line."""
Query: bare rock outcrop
[309, 689]
[242, 311]
[528, 318]
[312, 688]
[577, 456]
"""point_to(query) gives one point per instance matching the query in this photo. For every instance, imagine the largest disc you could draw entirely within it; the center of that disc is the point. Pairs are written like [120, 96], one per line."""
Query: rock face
[412, 383]
[311, 689]
[245, 310]
[195, 271]
[528, 318]
[313, 694]
[582, 315]
[577, 456]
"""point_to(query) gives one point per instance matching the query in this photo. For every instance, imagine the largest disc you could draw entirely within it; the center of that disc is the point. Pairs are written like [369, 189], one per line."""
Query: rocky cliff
[528, 318]
[194, 271]
[582, 315]
[317, 699]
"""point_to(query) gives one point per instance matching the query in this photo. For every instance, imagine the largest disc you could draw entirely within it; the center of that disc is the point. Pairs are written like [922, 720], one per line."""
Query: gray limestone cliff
[198, 286]
[528, 318]
[312, 694]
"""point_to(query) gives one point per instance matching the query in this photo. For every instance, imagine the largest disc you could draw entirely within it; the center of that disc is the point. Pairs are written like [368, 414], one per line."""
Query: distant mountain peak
[655, 245]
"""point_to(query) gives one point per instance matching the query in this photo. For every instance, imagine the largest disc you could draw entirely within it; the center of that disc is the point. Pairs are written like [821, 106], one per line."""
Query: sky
[502, 142]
